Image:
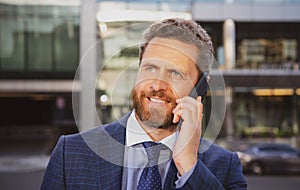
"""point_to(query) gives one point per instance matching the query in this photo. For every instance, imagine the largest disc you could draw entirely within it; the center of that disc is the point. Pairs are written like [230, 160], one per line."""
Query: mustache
[160, 94]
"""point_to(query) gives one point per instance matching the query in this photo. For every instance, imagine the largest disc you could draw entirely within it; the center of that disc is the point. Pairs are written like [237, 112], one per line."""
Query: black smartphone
[199, 90]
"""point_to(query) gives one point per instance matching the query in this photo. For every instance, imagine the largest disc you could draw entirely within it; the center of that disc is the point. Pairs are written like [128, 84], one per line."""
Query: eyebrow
[149, 62]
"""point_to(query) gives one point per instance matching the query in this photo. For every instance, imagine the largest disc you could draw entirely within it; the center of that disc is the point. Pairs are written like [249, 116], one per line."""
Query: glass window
[12, 39]
[121, 64]
[38, 40]
[210, 1]
[39, 51]
[263, 115]
[267, 54]
[66, 46]
[292, 1]
[268, 1]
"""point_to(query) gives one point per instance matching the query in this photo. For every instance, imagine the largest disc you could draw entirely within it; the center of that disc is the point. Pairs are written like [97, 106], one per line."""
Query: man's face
[167, 72]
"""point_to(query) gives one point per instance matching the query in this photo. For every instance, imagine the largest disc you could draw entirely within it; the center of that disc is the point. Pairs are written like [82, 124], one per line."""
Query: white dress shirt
[135, 156]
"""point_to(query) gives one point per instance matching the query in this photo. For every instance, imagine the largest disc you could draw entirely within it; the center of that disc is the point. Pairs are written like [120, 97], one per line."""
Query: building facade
[72, 63]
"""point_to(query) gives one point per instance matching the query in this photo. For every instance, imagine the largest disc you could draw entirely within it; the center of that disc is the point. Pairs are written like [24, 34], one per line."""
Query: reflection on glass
[38, 39]
[267, 54]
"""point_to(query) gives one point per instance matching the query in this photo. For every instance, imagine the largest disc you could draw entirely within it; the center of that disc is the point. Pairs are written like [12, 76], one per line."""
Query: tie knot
[153, 150]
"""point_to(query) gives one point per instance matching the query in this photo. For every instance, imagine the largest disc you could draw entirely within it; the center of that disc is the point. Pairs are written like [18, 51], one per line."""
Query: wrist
[184, 164]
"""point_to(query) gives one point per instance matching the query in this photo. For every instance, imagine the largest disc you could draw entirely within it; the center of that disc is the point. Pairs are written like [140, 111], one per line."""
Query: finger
[177, 108]
[200, 108]
[186, 99]
[189, 106]
[185, 103]
[200, 105]
[199, 98]
[177, 116]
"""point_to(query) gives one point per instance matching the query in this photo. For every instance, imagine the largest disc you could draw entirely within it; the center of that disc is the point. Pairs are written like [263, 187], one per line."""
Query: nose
[159, 85]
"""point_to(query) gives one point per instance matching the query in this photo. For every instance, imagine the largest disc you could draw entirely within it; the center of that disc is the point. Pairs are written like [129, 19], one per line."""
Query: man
[119, 155]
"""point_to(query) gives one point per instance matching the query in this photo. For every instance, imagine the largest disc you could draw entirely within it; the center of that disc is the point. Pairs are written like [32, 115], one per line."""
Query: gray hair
[186, 31]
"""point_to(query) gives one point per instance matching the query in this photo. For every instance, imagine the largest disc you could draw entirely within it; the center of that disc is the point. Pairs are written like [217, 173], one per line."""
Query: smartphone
[199, 90]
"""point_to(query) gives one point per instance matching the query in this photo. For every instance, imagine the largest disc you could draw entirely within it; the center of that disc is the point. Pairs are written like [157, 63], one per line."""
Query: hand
[185, 151]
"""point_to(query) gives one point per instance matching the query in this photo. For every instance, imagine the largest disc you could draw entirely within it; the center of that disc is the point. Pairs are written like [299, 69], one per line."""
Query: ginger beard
[151, 115]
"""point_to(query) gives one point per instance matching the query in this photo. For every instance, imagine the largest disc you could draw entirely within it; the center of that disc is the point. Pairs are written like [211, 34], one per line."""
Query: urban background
[69, 65]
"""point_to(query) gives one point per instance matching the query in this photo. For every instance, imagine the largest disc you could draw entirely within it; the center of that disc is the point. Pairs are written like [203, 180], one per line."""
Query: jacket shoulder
[216, 157]
[115, 129]
[211, 149]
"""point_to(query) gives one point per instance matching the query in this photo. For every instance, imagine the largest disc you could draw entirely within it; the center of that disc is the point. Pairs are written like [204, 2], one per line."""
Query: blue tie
[150, 178]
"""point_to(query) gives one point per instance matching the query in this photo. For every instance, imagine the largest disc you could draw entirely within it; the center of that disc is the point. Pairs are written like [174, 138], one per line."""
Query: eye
[176, 74]
[150, 69]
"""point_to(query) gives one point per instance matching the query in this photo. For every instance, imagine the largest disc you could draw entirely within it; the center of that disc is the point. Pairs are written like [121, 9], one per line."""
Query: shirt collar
[135, 134]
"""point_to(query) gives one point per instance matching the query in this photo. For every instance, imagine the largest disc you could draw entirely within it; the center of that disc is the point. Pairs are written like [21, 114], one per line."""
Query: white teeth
[156, 100]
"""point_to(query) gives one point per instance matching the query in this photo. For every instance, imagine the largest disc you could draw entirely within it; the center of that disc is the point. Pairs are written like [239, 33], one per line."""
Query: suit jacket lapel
[171, 176]
[111, 154]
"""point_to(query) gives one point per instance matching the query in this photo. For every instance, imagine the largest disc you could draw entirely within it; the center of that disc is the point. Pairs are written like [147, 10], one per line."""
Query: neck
[155, 133]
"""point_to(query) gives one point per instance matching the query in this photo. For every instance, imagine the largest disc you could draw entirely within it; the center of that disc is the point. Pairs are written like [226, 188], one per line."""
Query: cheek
[140, 86]
[141, 81]
[184, 89]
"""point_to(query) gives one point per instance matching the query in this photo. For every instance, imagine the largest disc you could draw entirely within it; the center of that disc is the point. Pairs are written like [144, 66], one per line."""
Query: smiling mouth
[157, 100]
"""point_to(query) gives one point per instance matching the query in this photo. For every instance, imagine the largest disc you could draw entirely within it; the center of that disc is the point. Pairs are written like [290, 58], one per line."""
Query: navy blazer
[80, 161]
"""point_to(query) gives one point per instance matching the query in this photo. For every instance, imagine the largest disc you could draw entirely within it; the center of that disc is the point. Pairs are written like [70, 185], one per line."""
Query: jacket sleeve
[235, 178]
[54, 175]
[202, 178]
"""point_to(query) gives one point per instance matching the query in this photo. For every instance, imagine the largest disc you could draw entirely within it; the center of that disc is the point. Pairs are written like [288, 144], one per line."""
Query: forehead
[171, 50]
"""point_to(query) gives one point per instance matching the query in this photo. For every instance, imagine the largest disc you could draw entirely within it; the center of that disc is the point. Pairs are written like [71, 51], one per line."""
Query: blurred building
[39, 55]
[42, 43]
